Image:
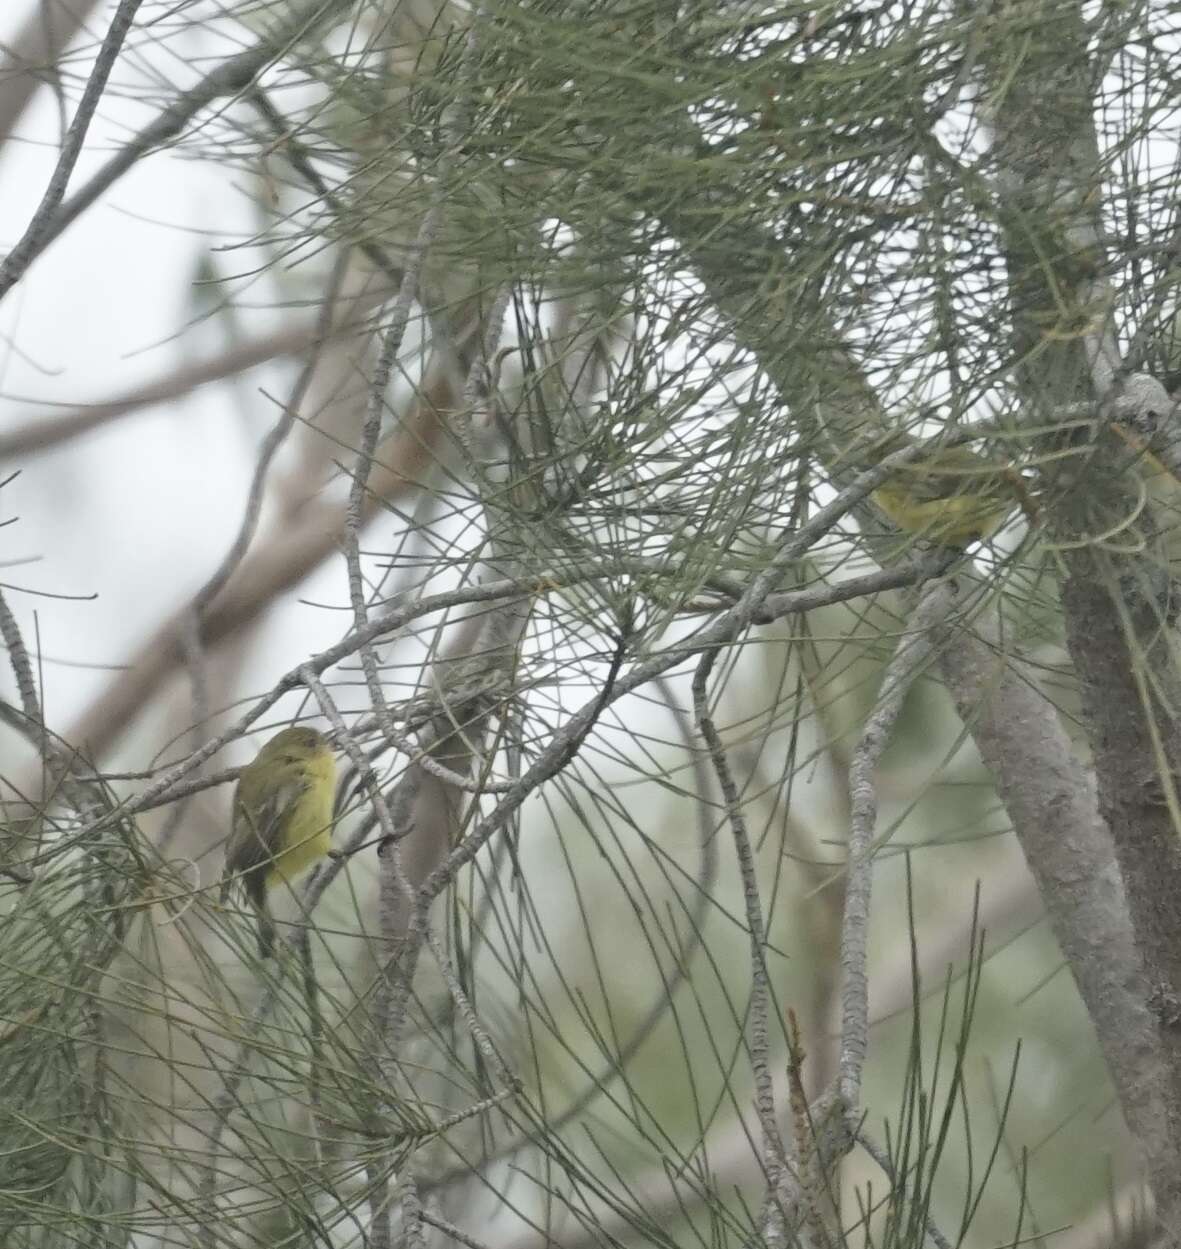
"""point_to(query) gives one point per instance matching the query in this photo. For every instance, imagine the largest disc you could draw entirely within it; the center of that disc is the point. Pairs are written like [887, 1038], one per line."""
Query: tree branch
[1051, 801]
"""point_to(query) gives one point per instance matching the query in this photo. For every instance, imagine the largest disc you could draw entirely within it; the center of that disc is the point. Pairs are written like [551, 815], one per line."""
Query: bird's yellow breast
[308, 832]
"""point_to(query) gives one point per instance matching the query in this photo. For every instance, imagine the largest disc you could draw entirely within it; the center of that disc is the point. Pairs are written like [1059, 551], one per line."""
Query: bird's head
[298, 745]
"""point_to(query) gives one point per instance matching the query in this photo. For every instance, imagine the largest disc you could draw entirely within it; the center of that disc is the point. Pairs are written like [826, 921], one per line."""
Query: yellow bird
[953, 496]
[282, 819]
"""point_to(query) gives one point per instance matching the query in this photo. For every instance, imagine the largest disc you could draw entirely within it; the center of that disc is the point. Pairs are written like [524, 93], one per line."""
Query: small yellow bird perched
[282, 819]
[953, 496]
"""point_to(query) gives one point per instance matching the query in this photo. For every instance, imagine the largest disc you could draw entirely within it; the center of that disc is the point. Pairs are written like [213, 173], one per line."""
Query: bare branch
[450, 1230]
[774, 1159]
[910, 658]
[22, 667]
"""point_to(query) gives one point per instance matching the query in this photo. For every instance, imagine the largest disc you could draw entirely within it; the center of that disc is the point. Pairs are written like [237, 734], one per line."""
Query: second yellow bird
[282, 819]
[952, 496]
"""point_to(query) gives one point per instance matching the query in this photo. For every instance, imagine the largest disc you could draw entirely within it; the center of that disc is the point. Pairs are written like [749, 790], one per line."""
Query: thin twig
[22, 667]
[403, 913]
[403, 941]
[449, 1229]
[879, 1155]
[467, 1013]
[912, 654]
[814, 1189]
[412, 1215]
[774, 1158]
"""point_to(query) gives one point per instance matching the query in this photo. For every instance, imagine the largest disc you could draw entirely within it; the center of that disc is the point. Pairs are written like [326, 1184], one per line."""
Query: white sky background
[141, 510]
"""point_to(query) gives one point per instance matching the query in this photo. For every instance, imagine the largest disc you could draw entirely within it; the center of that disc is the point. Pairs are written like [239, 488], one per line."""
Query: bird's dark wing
[256, 830]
